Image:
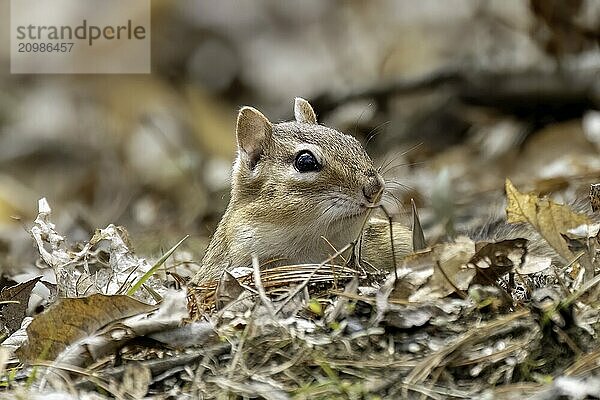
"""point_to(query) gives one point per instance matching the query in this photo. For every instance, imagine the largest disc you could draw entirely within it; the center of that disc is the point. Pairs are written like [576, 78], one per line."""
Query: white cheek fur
[302, 176]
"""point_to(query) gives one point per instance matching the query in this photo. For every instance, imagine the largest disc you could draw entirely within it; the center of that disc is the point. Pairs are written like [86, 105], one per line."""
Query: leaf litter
[455, 320]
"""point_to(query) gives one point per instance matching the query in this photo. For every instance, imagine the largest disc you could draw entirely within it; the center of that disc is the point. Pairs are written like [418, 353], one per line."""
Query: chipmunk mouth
[367, 206]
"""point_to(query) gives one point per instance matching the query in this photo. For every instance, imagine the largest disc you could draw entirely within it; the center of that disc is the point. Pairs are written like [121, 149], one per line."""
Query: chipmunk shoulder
[299, 190]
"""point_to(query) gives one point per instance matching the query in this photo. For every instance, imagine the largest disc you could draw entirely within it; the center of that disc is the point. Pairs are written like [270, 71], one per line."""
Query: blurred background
[451, 96]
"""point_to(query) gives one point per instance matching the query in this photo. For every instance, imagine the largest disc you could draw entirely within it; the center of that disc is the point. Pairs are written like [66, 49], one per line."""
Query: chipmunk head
[301, 174]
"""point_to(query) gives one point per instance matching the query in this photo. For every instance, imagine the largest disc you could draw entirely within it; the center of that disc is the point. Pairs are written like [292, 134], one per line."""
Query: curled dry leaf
[494, 260]
[17, 298]
[434, 273]
[71, 319]
[44, 232]
[548, 218]
[124, 266]
[73, 269]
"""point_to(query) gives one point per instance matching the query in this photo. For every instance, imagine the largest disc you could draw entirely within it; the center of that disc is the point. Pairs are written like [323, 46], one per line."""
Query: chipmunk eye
[306, 162]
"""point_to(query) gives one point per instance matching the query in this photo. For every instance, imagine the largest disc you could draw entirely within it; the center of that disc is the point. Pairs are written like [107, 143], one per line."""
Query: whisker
[384, 161]
[398, 187]
[375, 131]
[393, 196]
[390, 203]
[362, 113]
[381, 167]
[323, 214]
[410, 164]
[400, 184]
[393, 201]
[414, 193]
[335, 202]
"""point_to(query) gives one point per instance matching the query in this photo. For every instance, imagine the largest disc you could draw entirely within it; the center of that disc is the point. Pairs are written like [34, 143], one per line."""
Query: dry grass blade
[259, 286]
[584, 288]
[134, 288]
[517, 390]
[280, 276]
[418, 237]
[427, 365]
[437, 392]
[309, 277]
[80, 371]
[585, 364]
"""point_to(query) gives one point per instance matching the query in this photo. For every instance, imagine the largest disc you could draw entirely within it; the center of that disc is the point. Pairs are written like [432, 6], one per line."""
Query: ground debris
[452, 321]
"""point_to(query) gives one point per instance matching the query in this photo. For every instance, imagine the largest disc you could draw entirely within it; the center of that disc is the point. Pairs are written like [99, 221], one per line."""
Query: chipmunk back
[299, 190]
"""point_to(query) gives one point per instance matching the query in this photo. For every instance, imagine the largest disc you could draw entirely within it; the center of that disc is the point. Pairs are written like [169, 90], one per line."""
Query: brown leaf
[494, 260]
[228, 290]
[416, 270]
[13, 313]
[71, 319]
[451, 273]
[435, 273]
[548, 218]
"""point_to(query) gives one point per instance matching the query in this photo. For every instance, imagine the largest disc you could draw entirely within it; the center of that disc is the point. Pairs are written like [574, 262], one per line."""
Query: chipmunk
[294, 184]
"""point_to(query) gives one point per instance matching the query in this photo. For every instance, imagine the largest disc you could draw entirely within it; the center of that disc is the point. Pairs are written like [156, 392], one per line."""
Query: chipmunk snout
[373, 189]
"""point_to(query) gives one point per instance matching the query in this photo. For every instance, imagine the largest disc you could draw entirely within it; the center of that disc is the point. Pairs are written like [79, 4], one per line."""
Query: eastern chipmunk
[293, 184]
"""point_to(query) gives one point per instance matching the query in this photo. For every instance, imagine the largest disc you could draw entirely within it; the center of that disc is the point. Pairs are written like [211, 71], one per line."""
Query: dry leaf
[124, 266]
[534, 264]
[19, 337]
[435, 273]
[13, 313]
[548, 218]
[71, 319]
[416, 270]
[450, 273]
[453, 258]
[228, 290]
[82, 273]
[163, 325]
[494, 260]
[44, 233]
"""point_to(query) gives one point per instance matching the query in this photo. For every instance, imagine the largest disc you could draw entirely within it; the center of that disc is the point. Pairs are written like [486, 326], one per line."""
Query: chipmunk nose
[373, 189]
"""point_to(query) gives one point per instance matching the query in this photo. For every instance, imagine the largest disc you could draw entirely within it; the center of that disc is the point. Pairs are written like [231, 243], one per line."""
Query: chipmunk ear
[303, 111]
[253, 131]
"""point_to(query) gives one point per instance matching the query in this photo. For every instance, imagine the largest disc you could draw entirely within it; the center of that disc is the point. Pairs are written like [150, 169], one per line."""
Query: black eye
[306, 162]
